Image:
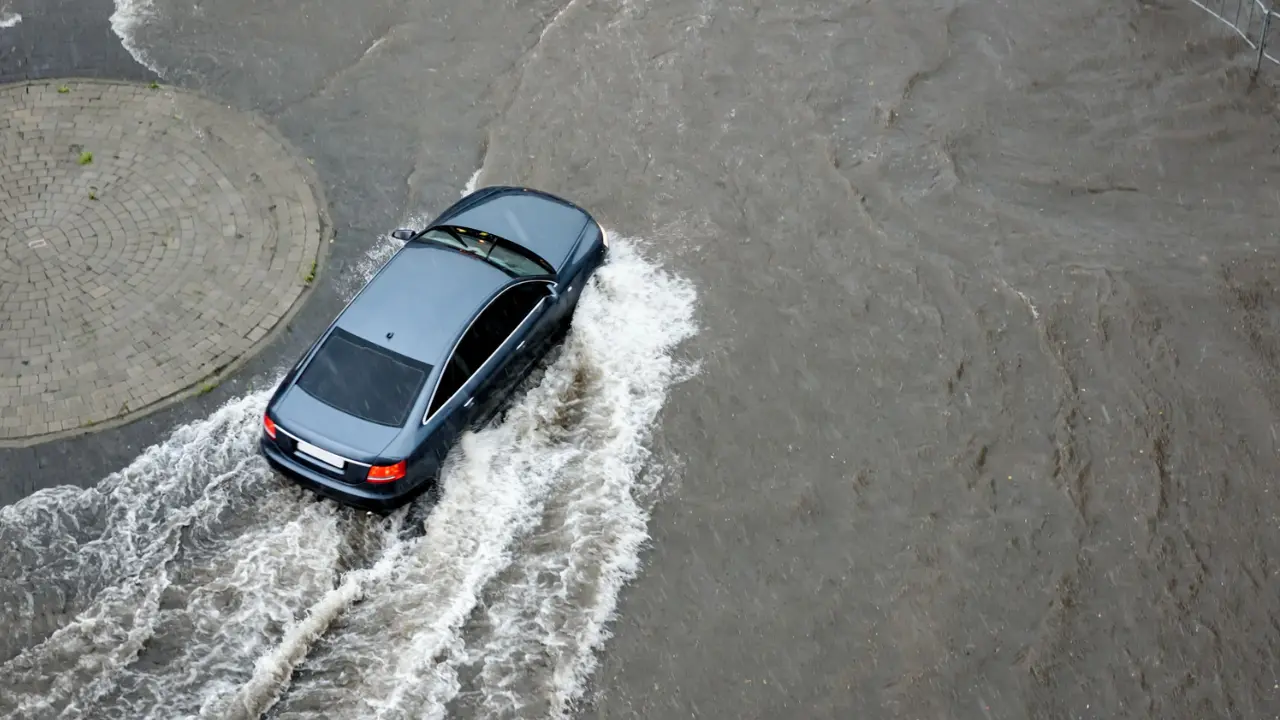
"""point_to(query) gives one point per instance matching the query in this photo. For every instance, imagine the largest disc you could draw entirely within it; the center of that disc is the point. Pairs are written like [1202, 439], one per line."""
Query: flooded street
[935, 376]
[195, 582]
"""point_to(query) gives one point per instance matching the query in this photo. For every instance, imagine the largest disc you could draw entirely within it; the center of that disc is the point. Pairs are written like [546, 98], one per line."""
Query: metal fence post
[1254, 36]
[1262, 41]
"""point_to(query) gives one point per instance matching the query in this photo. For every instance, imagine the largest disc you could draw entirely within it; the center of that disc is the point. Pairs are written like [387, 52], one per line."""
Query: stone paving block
[129, 277]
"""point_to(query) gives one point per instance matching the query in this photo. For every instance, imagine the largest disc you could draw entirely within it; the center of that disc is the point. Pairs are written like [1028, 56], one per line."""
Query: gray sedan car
[434, 343]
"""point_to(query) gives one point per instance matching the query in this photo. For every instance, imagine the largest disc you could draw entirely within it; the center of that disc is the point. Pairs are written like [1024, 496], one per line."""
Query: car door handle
[470, 401]
[521, 345]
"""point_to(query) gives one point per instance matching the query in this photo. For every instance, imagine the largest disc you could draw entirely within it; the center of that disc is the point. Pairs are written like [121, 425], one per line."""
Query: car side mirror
[403, 234]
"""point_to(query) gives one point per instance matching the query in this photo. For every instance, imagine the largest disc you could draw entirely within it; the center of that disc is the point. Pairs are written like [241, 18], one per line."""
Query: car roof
[425, 295]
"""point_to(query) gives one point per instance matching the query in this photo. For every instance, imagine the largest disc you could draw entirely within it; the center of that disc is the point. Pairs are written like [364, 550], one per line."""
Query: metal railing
[1252, 20]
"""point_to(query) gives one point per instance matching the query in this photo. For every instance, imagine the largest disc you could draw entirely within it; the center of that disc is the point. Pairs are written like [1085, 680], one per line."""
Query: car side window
[485, 336]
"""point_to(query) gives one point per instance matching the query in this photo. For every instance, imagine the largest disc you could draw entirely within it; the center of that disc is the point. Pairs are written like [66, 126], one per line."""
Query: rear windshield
[364, 380]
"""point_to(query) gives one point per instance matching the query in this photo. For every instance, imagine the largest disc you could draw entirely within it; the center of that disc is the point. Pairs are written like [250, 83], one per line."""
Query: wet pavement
[136, 272]
[984, 422]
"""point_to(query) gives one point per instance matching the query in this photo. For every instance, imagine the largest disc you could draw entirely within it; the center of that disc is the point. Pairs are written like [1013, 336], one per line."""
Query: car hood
[302, 415]
[547, 226]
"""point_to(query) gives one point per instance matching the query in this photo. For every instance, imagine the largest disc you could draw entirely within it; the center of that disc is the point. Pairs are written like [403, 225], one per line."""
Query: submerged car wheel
[415, 518]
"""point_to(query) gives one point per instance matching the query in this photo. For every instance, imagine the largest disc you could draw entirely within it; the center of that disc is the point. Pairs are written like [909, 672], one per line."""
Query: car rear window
[361, 379]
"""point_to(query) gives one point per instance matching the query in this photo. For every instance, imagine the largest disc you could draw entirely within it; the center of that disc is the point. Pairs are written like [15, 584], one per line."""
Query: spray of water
[547, 613]
[576, 437]
[128, 18]
[470, 187]
[111, 556]
[196, 583]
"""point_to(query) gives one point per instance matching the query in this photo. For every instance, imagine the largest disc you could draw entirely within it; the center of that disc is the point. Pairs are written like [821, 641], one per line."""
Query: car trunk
[303, 416]
[352, 399]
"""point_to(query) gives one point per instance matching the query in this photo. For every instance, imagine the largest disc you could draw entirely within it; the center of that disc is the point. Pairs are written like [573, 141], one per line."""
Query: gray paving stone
[128, 277]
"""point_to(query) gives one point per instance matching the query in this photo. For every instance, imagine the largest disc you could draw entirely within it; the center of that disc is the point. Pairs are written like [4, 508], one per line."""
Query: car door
[530, 340]
[485, 393]
[465, 388]
[446, 408]
[493, 345]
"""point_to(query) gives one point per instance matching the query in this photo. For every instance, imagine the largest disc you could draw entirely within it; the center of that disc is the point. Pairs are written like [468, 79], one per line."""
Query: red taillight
[386, 473]
[270, 426]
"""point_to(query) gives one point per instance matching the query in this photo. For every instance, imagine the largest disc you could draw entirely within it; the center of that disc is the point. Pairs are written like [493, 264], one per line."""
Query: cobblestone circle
[149, 239]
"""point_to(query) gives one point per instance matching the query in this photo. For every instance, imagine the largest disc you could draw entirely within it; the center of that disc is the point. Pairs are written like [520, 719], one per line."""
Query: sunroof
[362, 379]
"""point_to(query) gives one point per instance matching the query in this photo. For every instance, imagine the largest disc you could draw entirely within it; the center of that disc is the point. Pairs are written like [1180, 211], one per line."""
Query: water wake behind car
[196, 583]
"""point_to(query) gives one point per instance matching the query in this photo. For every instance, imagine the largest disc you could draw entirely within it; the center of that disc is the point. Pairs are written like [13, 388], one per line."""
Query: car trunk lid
[351, 399]
[330, 430]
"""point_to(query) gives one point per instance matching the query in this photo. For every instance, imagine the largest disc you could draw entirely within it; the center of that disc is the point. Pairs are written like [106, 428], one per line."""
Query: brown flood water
[985, 424]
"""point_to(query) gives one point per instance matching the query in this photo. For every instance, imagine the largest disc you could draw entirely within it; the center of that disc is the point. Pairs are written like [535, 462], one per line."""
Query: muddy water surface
[982, 297]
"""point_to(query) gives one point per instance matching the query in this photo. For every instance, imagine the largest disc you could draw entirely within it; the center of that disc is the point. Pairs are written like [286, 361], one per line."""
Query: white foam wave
[144, 513]
[129, 17]
[470, 187]
[371, 262]
[554, 22]
[273, 669]
[8, 19]
[547, 615]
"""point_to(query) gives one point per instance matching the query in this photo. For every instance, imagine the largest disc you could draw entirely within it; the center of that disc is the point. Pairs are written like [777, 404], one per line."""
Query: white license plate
[320, 454]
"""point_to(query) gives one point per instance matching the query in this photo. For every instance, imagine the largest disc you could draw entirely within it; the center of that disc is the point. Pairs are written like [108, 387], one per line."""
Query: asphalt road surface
[936, 376]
